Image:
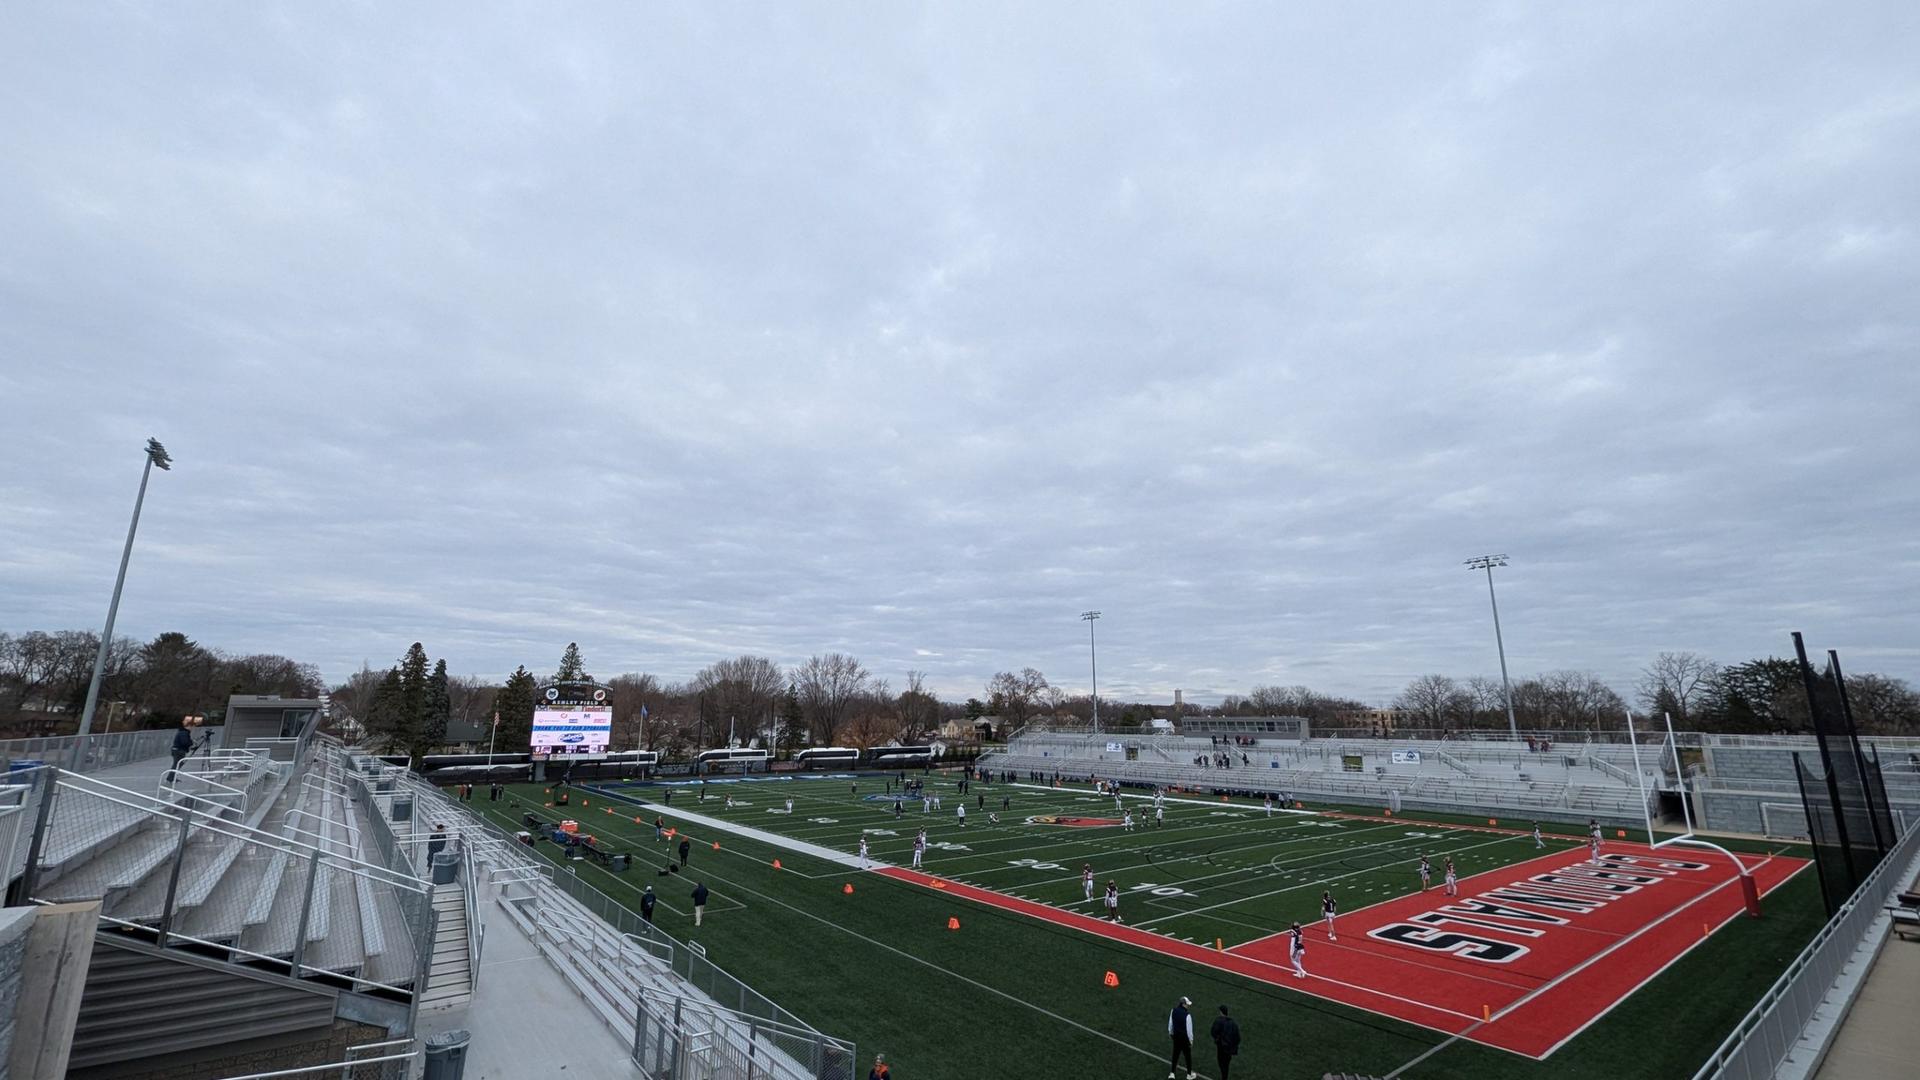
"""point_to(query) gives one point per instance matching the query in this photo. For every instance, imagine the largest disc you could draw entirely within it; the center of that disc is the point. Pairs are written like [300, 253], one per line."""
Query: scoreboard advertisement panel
[572, 729]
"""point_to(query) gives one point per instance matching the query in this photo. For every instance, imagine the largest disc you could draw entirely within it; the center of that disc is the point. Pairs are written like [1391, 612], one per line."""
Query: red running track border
[1569, 975]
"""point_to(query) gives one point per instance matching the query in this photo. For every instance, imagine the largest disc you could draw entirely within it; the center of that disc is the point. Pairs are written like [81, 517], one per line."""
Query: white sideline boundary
[801, 847]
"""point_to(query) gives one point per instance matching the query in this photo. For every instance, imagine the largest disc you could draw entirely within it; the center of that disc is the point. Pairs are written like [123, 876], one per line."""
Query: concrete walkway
[1879, 1039]
[526, 1020]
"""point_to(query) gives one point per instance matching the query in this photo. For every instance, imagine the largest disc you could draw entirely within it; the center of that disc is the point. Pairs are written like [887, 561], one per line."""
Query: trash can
[447, 1054]
[402, 808]
[446, 868]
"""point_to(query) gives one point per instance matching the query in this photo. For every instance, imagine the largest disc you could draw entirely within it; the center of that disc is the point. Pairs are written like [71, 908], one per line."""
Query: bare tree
[919, 710]
[1676, 683]
[633, 697]
[741, 692]
[1433, 700]
[827, 686]
[1015, 697]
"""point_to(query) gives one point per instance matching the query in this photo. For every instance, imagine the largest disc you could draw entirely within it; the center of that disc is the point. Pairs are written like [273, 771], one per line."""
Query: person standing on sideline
[879, 1070]
[1086, 880]
[863, 851]
[686, 848]
[1329, 909]
[1537, 842]
[1226, 1040]
[1113, 902]
[962, 809]
[1593, 842]
[919, 848]
[1426, 874]
[647, 900]
[1453, 882]
[1180, 1030]
[1269, 805]
[1297, 950]
[699, 901]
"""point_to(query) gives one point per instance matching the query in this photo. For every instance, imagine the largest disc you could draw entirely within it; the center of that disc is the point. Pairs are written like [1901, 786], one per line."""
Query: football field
[991, 959]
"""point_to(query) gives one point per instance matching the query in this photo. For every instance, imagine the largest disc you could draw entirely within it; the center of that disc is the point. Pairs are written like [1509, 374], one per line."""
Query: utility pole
[1487, 563]
[156, 455]
[1093, 663]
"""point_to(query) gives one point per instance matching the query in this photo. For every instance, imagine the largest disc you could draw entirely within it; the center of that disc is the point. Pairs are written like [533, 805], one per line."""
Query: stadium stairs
[622, 967]
[202, 874]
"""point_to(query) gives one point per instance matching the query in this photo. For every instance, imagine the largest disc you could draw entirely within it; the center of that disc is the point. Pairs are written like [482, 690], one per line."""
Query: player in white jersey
[919, 848]
[1269, 805]
[1538, 843]
[1426, 873]
[1328, 909]
[961, 812]
[1593, 842]
[863, 852]
[789, 805]
[1086, 880]
[936, 802]
[1159, 816]
[1113, 902]
[926, 804]
[1453, 882]
[1126, 821]
[1297, 950]
[729, 800]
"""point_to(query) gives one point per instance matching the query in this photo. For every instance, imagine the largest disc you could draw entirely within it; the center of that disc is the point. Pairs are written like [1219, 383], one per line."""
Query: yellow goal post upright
[1749, 891]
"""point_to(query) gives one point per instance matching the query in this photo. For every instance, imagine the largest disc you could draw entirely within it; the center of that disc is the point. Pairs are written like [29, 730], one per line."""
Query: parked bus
[899, 757]
[730, 760]
[827, 757]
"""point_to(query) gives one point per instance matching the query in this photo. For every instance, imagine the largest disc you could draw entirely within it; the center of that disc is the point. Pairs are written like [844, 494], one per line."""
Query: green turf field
[1006, 995]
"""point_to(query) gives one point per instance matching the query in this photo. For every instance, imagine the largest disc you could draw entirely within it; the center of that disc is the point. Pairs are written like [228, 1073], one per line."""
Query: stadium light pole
[156, 455]
[1093, 664]
[1487, 563]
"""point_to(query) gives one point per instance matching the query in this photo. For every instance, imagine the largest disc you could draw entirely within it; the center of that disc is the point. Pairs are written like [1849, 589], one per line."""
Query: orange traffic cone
[1111, 979]
[847, 888]
[716, 845]
[776, 864]
[953, 923]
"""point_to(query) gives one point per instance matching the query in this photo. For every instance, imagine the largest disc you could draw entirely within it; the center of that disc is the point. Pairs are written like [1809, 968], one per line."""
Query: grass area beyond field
[1006, 995]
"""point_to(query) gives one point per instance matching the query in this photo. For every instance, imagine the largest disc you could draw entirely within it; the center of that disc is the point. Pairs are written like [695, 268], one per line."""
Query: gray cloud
[914, 332]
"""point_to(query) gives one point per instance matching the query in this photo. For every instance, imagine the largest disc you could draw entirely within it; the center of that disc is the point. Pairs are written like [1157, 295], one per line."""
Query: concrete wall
[14, 923]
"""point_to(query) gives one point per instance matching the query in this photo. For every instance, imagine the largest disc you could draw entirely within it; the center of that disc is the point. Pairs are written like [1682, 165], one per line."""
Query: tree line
[153, 684]
[1763, 696]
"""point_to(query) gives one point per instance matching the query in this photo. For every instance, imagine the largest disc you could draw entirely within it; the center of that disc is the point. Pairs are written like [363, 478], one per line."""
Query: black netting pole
[1814, 833]
[1881, 841]
[1815, 713]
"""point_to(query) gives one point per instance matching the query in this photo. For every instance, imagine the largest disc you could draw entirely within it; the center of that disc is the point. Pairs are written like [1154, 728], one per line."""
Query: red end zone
[1544, 947]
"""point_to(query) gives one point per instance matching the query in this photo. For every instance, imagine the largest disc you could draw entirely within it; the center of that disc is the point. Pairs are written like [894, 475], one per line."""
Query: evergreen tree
[571, 667]
[439, 706]
[383, 721]
[411, 715]
[793, 724]
[514, 703]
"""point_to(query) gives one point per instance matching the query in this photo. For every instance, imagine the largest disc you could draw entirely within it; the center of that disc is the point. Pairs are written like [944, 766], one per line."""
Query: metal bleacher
[1574, 782]
[240, 870]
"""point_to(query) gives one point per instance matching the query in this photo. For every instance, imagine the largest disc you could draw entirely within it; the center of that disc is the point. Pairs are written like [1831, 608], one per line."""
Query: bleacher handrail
[1767, 1033]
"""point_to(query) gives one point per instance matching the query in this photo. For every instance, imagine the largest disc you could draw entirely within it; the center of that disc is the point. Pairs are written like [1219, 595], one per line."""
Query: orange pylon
[847, 888]
[776, 864]
[953, 923]
[1111, 979]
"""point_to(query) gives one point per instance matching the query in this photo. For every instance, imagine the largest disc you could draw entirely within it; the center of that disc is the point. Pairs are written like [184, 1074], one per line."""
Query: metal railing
[389, 1060]
[88, 843]
[1766, 1036]
[97, 753]
[681, 1038]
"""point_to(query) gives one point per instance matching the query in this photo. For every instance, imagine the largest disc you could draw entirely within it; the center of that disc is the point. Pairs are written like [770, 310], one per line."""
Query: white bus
[895, 757]
[728, 760]
[827, 757]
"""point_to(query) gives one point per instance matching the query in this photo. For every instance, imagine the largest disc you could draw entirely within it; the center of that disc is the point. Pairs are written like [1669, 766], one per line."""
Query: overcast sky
[690, 330]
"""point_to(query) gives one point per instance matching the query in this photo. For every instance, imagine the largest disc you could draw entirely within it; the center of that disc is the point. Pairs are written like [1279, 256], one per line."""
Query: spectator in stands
[1226, 1040]
[182, 746]
[437, 840]
[699, 901]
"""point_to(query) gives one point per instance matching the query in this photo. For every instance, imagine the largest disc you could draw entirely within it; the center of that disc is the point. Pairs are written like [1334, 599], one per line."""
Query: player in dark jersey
[1328, 909]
